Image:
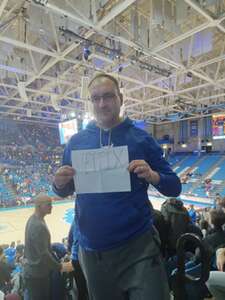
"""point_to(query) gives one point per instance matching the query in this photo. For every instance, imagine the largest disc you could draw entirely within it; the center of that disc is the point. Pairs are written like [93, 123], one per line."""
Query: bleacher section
[13, 133]
[175, 159]
[186, 163]
[6, 194]
[19, 185]
[30, 154]
[223, 192]
[207, 163]
[205, 166]
[199, 192]
[220, 172]
[22, 182]
[186, 188]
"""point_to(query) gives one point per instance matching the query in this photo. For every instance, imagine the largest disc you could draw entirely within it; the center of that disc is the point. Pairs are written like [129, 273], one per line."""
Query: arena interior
[169, 59]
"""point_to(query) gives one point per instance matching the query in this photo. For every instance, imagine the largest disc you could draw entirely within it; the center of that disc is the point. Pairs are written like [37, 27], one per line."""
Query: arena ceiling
[167, 54]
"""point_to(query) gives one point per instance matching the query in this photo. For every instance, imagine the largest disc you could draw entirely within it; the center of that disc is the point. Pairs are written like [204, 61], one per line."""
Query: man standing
[119, 249]
[39, 260]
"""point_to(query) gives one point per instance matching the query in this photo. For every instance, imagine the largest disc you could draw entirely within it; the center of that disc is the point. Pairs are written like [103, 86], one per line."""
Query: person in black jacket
[216, 236]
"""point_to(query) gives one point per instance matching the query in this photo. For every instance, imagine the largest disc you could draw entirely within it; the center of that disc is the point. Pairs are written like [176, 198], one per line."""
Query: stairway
[193, 166]
[211, 172]
[179, 162]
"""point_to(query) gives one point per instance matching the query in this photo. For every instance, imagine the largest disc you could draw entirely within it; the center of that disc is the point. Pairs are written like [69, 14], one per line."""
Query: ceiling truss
[41, 66]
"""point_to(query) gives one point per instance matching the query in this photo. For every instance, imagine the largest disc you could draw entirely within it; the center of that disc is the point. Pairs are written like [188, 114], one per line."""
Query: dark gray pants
[38, 288]
[133, 271]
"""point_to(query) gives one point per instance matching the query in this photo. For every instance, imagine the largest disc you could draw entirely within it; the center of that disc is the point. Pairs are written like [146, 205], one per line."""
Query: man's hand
[67, 267]
[143, 170]
[63, 176]
[220, 259]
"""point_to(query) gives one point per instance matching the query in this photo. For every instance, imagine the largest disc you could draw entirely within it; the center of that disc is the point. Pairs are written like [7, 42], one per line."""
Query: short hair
[217, 217]
[42, 199]
[102, 75]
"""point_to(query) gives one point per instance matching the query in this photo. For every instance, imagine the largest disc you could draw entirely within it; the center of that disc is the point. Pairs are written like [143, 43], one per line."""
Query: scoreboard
[66, 130]
[218, 126]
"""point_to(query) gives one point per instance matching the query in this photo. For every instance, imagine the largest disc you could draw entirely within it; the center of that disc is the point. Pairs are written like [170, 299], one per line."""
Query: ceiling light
[184, 145]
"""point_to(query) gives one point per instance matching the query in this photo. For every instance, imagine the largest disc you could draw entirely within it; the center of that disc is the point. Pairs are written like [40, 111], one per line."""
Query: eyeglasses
[106, 97]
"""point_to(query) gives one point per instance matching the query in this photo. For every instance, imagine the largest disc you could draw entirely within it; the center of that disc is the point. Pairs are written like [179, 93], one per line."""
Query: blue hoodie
[107, 220]
[73, 244]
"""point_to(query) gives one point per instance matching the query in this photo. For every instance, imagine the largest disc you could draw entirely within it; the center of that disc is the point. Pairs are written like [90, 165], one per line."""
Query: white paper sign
[101, 170]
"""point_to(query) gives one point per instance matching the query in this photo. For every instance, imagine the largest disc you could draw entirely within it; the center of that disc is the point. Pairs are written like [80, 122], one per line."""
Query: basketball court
[13, 221]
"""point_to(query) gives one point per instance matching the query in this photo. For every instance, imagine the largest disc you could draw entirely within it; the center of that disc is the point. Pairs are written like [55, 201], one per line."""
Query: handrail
[180, 278]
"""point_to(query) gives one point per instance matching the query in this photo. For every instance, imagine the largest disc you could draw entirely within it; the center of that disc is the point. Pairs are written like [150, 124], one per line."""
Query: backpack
[162, 228]
[177, 218]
